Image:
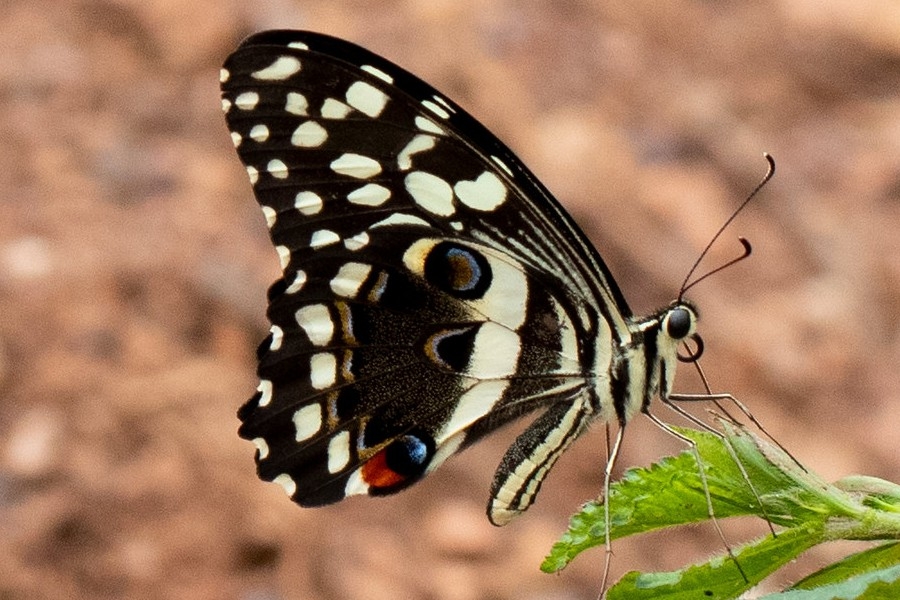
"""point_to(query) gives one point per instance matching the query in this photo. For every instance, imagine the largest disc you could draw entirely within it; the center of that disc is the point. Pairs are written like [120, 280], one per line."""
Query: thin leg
[731, 452]
[715, 398]
[709, 507]
[743, 408]
[610, 464]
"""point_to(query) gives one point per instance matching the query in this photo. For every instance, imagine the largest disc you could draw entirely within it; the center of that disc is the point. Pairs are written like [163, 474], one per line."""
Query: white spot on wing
[429, 126]
[502, 165]
[308, 203]
[485, 193]
[377, 73]
[265, 392]
[356, 242]
[439, 111]
[262, 447]
[356, 485]
[285, 481]
[323, 237]
[296, 104]
[277, 338]
[430, 192]
[445, 103]
[247, 100]
[322, 370]
[309, 135]
[316, 321]
[420, 143]
[350, 278]
[356, 165]
[370, 194]
[284, 256]
[226, 105]
[224, 75]
[400, 219]
[307, 421]
[338, 451]
[253, 174]
[297, 284]
[277, 169]
[366, 98]
[334, 109]
[298, 45]
[283, 68]
[270, 215]
[236, 138]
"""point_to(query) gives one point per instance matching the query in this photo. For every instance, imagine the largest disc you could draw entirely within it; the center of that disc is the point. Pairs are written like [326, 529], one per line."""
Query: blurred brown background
[134, 263]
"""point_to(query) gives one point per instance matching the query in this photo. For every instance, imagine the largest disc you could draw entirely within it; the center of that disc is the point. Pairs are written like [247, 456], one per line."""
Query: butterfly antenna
[747, 249]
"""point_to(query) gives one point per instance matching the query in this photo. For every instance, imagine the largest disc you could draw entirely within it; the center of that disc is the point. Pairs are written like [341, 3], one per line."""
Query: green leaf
[719, 577]
[880, 557]
[806, 509]
[883, 584]
[670, 493]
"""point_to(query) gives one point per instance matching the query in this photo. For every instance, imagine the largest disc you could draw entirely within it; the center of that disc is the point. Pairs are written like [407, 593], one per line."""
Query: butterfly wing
[432, 289]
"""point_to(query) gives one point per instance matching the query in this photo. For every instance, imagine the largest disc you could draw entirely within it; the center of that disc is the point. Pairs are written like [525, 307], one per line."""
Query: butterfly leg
[717, 398]
[737, 461]
[612, 455]
[709, 507]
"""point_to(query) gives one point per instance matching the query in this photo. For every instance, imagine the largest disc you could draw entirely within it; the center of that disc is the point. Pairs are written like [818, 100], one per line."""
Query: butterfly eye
[678, 323]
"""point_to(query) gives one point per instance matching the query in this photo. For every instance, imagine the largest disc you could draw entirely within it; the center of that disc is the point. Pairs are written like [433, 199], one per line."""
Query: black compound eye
[463, 272]
[678, 323]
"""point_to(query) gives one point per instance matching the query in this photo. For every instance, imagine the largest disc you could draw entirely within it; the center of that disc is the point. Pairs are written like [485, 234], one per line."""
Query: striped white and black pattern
[432, 288]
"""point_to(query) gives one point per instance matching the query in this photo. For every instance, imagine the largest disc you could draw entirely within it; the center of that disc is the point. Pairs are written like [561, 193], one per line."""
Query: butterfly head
[677, 323]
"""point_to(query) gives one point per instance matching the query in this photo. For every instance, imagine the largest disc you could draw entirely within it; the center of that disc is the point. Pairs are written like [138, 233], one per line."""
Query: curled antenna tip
[771, 161]
[748, 249]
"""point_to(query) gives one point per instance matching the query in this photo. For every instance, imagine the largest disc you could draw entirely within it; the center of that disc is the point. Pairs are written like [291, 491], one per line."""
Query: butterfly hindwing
[432, 289]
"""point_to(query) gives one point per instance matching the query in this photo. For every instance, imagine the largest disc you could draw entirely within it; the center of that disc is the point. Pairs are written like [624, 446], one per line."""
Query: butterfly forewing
[432, 289]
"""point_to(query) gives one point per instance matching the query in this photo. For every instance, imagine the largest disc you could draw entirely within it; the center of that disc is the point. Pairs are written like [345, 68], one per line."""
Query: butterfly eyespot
[400, 463]
[458, 270]
[451, 349]
[679, 322]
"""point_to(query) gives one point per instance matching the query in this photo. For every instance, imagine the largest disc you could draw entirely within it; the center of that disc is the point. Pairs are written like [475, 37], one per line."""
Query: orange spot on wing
[377, 473]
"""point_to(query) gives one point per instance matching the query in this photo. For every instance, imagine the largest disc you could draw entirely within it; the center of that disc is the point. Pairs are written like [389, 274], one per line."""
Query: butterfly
[432, 289]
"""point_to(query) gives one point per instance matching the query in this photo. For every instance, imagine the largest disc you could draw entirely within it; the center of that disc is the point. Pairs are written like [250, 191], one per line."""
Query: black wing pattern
[432, 288]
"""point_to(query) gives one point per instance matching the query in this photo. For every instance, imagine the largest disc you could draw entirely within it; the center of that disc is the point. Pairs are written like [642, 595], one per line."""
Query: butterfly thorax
[643, 366]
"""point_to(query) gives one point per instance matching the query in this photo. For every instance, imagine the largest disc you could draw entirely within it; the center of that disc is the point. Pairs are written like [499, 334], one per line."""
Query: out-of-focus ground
[134, 263]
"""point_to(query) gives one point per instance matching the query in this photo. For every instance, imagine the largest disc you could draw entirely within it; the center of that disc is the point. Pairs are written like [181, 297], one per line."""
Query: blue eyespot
[458, 270]
[409, 455]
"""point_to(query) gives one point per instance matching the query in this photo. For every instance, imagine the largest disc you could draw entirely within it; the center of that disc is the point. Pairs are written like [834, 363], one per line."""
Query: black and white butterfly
[432, 290]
